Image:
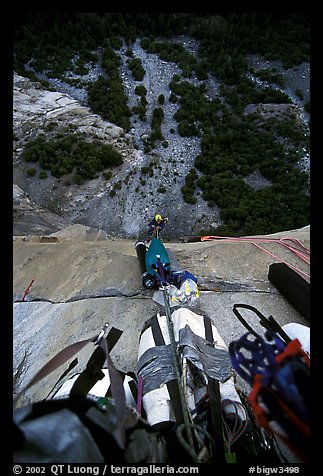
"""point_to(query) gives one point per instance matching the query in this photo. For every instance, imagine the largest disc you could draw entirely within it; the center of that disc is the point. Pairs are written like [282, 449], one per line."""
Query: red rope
[27, 290]
[297, 248]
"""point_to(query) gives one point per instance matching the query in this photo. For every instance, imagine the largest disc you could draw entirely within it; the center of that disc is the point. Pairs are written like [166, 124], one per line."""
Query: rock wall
[80, 284]
[37, 110]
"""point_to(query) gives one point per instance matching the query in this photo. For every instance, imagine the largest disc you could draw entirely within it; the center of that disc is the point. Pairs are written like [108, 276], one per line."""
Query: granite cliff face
[81, 280]
[68, 285]
[65, 240]
[37, 110]
[74, 246]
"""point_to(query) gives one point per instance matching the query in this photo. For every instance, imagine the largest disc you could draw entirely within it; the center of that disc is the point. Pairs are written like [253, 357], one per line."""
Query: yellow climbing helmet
[158, 218]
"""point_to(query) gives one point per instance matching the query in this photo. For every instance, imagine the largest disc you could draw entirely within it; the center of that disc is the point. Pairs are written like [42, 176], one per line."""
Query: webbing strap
[268, 323]
[58, 360]
[131, 384]
[93, 371]
[156, 331]
[133, 389]
[172, 386]
[115, 379]
[66, 372]
[208, 329]
[161, 270]
[216, 419]
[215, 403]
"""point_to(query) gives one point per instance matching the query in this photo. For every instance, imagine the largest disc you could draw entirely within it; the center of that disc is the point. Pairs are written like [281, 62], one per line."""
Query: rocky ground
[127, 213]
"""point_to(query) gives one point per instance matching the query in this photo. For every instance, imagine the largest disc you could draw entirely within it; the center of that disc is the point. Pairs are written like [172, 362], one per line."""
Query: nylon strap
[270, 324]
[215, 402]
[58, 360]
[115, 381]
[172, 386]
[216, 419]
[93, 371]
[67, 371]
[208, 329]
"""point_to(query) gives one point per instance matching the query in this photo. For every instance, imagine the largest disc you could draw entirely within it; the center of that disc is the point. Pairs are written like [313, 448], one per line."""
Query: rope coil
[296, 247]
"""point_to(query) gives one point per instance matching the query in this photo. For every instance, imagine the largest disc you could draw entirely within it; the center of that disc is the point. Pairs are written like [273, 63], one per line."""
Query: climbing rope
[164, 287]
[296, 247]
[188, 426]
[27, 290]
[239, 424]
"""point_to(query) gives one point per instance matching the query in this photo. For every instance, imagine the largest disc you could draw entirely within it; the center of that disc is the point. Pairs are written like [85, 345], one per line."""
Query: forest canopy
[234, 144]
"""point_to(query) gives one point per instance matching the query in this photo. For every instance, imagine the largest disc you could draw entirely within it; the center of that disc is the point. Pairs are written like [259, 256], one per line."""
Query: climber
[156, 224]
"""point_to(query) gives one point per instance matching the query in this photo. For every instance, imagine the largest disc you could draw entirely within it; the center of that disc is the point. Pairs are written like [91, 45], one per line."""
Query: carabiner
[96, 340]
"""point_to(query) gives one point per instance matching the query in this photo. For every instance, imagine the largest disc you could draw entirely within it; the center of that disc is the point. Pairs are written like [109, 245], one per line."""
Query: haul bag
[204, 349]
[292, 286]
